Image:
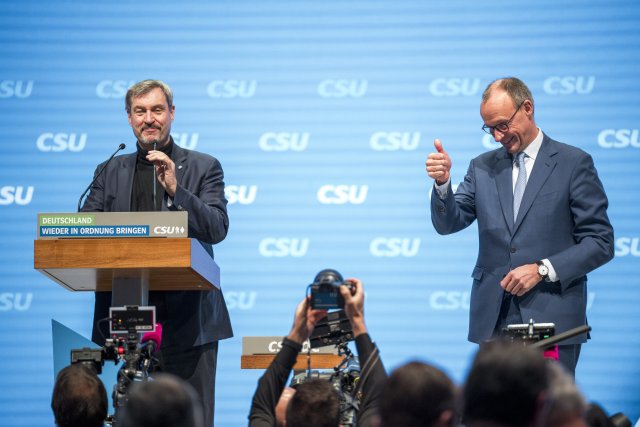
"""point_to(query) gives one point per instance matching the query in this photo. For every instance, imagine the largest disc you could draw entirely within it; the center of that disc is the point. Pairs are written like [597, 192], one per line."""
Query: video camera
[137, 355]
[94, 358]
[344, 381]
[325, 290]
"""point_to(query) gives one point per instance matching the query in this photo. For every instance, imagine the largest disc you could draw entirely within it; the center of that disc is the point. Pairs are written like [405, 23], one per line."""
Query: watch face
[543, 270]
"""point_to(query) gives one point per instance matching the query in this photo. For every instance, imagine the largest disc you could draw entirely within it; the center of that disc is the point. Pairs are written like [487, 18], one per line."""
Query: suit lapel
[502, 169]
[125, 182]
[542, 168]
[179, 157]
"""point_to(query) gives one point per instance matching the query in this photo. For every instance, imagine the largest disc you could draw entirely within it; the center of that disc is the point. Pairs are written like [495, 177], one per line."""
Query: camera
[334, 329]
[136, 354]
[95, 358]
[325, 290]
[344, 380]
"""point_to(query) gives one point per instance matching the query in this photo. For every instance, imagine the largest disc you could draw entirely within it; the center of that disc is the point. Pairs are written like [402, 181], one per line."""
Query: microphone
[152, 340]
[155, 180]
[120, 147]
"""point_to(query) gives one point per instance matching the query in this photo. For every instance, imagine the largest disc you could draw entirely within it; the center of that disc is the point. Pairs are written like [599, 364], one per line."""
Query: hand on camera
[354, 305]
[304, 321]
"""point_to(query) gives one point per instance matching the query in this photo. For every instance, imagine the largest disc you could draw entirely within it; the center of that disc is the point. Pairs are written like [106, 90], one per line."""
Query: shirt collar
[533, 148]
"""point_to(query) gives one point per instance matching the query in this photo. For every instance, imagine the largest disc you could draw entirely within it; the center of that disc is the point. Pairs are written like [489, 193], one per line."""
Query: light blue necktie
[521, 182]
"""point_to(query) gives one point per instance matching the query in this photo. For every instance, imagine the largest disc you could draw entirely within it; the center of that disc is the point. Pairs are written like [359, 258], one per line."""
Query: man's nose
[148, 117]
[497, 135]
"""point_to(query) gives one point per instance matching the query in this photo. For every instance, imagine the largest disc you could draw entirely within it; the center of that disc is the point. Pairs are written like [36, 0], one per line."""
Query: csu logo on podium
[569, 85]
[112, 89]
[342, 194]
[281, 247]
[242, 194]
[57, 142]
[232, 88]
[284, 141]
[619, 138]
[394, 141]
[16, 88]
[18, 195]
[10, 301]
[394, 247]
[167, 230]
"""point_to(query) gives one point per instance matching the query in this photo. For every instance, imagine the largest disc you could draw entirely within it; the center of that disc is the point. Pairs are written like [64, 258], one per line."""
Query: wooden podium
[318, 361]
[129, 267]
[258, 352]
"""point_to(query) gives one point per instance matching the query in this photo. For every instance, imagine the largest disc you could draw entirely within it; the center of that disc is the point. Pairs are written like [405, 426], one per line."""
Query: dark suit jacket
[195, 317]
[562, 217]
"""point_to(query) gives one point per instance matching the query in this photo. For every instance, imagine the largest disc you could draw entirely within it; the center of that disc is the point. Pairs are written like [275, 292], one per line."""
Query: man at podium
[161, 176]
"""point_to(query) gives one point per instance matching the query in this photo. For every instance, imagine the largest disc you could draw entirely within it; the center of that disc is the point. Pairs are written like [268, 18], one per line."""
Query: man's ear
[528, 107]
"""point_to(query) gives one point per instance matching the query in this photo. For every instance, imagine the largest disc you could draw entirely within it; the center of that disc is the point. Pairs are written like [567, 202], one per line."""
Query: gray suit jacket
[196, 317]
[562, 217]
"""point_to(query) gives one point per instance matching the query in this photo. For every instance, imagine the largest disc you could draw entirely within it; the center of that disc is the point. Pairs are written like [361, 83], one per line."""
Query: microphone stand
[547, 342]
[155, 182]
[120, 147]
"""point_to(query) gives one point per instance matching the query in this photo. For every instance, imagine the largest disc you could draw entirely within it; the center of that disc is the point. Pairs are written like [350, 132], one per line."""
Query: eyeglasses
[502, 126]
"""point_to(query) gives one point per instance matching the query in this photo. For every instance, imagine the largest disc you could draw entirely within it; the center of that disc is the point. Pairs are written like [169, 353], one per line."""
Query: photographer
[316, 401]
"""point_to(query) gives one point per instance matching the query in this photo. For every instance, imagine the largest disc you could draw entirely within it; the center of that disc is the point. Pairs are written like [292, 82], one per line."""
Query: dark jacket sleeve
[372, 378]
[271, 384]
[201, 193]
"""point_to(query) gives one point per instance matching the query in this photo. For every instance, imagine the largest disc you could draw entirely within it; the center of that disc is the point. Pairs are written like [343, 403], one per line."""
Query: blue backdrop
[322, 114]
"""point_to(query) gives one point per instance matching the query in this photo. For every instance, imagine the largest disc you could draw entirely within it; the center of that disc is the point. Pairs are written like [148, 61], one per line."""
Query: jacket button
[513, 250]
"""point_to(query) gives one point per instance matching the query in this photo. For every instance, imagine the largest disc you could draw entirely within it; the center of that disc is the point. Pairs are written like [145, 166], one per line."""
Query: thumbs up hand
[438, 164]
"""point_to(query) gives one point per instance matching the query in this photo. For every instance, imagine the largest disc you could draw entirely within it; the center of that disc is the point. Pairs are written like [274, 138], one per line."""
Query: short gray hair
[146, 86]
[515, 88]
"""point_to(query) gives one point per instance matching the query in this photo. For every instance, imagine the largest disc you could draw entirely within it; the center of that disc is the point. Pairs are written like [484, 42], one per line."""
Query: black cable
[98, 323]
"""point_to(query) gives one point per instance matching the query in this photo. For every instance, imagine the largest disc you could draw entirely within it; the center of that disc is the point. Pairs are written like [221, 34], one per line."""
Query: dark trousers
[510, 314]
[197, 366]
[569, 355]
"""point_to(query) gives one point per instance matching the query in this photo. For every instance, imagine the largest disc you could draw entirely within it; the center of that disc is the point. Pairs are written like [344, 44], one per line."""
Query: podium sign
[112, 225]
[258, 352]
[129, 266]
[272, 345]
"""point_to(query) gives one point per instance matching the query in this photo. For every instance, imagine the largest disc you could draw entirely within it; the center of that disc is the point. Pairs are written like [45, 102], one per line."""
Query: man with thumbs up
[542, 221]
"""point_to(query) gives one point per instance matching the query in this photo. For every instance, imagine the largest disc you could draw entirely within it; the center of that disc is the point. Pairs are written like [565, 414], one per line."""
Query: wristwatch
[543, 270]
